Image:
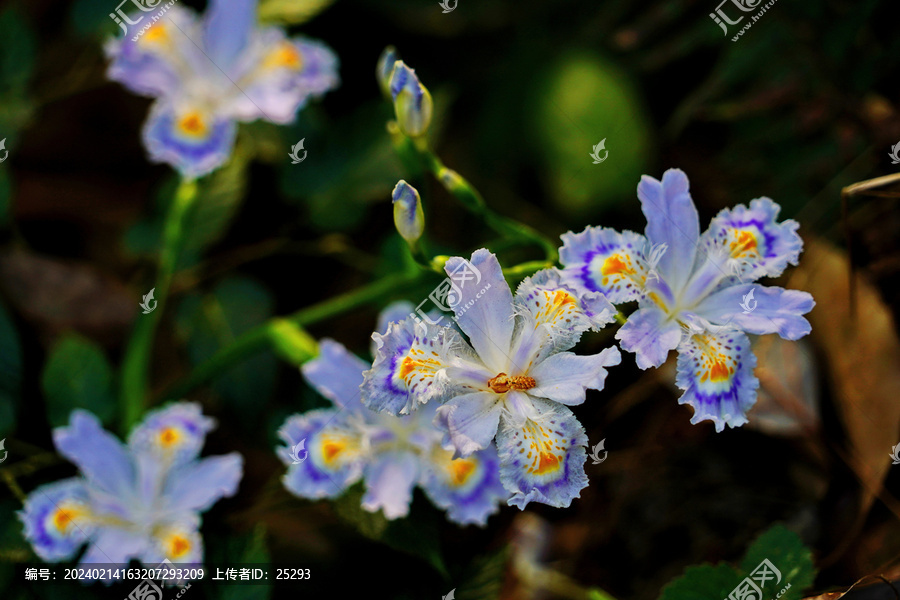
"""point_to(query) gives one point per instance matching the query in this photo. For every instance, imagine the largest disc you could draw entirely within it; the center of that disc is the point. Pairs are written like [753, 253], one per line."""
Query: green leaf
[211, 321]
[703, 582]
[785, 550]
[16, 67]
[580, 100]
[10, 372]
[77, 375]
[247, 550]
[290, 12]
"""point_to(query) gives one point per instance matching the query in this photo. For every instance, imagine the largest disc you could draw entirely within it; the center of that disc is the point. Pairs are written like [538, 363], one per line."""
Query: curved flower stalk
[514, 379]
[141, 501]
[349, 442]
[695, 292]
[207, 74]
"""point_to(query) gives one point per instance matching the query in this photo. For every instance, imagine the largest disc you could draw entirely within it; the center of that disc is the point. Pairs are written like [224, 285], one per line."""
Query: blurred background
[804, 103]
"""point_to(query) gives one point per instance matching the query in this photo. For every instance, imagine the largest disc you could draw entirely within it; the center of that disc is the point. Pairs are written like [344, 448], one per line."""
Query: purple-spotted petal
[650, 334]
[543, 460]
[192, 139]
[603, 260]
[471, 420]
[760, 309]
[715, 370]
[483, 304]
[331, 457]
[336, 374]
[469, 489]
[198, 485]
[58, 519]
[409, 366]
[671, 220]
[565, 377]
[100, 456]
[389, 484]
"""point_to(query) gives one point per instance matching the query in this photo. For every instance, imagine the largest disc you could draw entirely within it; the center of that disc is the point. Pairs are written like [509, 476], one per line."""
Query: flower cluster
[693, 290]
[141, 501]
[208, 74]
[349, 442]
[513, 380]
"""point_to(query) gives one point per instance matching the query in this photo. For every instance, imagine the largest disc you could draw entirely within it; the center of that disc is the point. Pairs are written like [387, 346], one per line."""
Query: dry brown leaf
[863, 360]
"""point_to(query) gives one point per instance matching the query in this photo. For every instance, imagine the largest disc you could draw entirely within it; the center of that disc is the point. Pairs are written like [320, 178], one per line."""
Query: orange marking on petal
[65, 517]
[460, 470]
[614, 265]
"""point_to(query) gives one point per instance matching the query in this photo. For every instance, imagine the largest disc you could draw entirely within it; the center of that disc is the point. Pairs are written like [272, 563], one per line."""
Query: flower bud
[412, 102]
[408, 216]
[385, 69]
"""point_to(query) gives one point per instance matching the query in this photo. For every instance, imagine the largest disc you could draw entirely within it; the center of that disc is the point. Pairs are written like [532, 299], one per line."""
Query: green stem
[136, 362]
[259, 337]
[473, 201]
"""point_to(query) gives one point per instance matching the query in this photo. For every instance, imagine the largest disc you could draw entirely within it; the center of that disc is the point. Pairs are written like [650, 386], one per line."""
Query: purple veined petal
[672, 220]
[756, 244]
[483, 304]
[113, 545]
[471, 420]
[409, 365]
[715, 370]
[58, 519]
[603, 260]
[469, 489]
[227, 28]
[198, 485]
[156, 59]
[565, 377]
[336, 374]
[760, 310]
[277, 76]
[188, 137]
[101, 458]
[650, 334]
[331, 458]
[174, 433]
[543, 460]
[389, 483]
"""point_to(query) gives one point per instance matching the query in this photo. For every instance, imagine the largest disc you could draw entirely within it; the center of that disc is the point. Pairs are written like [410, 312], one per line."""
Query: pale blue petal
[716, 372]
[336, 374]
[672, 220]
[114, 546]
[198, 485]
[565, 377]
[389, 484]
[650, 334]
[102, 458]
[483, 304]
[57, 519]
[192, 140]
[471, 420]
[227, 26]
[469, 489]
[774, 310]
[543, 460]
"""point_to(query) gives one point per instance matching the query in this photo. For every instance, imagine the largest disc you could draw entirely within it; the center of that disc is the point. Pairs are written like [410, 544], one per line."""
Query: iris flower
[514, 379]
[141, 501]
[701, 298]
[207, 74]
[348, 442]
